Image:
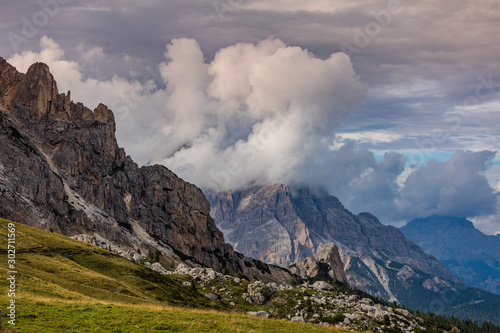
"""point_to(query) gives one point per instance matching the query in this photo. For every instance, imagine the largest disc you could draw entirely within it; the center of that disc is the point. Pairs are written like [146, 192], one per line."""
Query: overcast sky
[393, 106]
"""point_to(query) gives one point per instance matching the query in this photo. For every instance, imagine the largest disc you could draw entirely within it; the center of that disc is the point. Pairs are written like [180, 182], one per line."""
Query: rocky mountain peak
[440, 221]
[104, 115]
[9, 78]
[7, 71]
[370, 217]
[40, 94]
[284, 226]
[262, 223]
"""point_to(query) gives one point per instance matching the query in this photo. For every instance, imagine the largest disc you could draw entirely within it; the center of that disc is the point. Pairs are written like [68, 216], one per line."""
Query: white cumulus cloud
[257, 113]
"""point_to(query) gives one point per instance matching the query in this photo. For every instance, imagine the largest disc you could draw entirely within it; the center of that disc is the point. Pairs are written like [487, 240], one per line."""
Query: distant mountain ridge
[468, 253]
[274, 224]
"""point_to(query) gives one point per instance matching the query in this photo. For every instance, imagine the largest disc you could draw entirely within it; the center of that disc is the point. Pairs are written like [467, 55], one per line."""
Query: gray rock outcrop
[259, 292]
[327, 258]
[211, 296]
[262, 314]
[322, 285]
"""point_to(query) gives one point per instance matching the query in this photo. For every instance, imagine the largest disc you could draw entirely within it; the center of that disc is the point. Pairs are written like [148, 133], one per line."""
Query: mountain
[61, 169]
[468, 253]
[278, 225]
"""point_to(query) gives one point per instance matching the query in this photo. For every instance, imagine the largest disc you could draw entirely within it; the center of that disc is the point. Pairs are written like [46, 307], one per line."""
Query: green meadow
[63, 285]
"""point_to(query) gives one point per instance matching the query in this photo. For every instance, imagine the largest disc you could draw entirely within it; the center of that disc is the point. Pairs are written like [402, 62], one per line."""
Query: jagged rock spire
[41, 94]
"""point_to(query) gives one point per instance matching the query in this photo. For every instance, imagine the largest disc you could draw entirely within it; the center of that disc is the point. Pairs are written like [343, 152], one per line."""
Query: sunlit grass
[43, 315]
[64, 285]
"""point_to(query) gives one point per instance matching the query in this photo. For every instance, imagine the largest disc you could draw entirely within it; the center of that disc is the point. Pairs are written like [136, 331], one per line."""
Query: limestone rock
[212, 274]
[158, 268]
[322, 285]
[328, 255]
[41, 96]
[247, 298]
[353, 298]
[262, 223]
[262, 314]
[260, 292]
[212, 296]
[182, 268]
[436, 284]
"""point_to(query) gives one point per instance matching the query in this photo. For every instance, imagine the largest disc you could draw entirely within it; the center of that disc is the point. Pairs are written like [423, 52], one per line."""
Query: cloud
[387, 188]
[456, 187]
[256, 113]
[360, 181]
[90, 55]
[425, 61]
[268, 112]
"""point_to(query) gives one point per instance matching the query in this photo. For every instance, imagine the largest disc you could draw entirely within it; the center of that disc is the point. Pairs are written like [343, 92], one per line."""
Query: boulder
[212, 296]
[260, 292]
[322, 285]
[262, 314]
[157, 267]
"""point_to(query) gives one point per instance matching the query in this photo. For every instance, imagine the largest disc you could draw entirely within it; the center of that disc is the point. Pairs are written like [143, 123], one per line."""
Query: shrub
[154, 256]
[294, 281]
[339, 317]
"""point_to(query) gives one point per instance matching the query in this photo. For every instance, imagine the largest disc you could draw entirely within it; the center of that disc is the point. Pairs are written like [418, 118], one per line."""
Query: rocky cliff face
[471, 255]
[280, 226]
[326, 262]
[62, 169]
[262, 223]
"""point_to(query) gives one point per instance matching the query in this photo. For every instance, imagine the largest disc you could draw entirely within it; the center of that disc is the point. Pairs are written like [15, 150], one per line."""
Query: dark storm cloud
[456, 187]
[425, 39]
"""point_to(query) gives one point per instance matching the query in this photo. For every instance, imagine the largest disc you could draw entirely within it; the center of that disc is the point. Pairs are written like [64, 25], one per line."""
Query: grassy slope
[67, 286]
